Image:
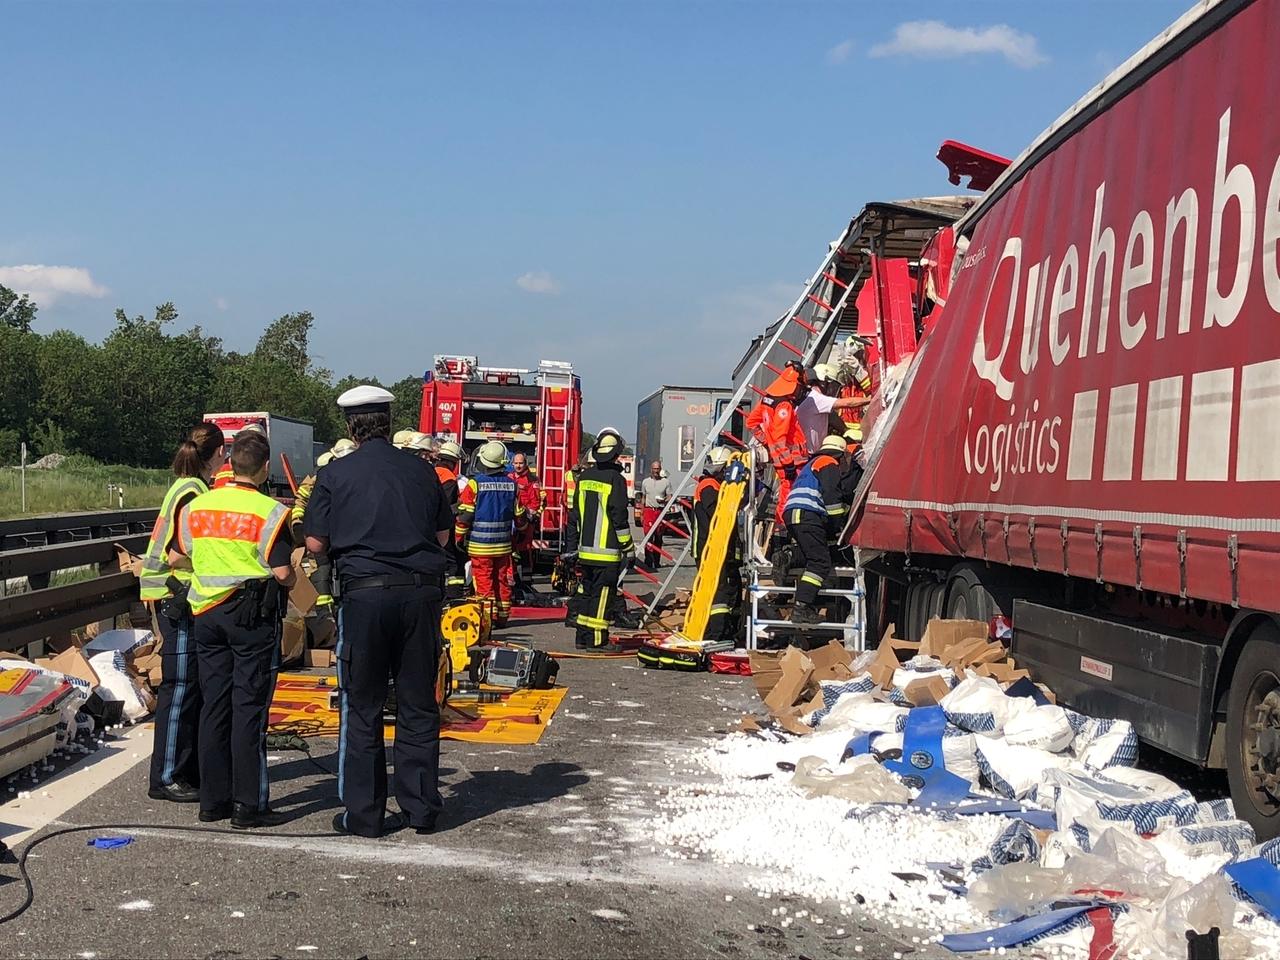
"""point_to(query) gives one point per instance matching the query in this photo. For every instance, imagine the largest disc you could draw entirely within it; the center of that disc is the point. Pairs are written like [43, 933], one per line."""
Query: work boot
[176, 792]
[805, 613]
[215, 814]
[245, 817]
[391, 823]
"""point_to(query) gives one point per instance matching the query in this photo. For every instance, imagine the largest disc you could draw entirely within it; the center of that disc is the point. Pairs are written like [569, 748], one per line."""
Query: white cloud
[48, 285]
[538, 281]
[840, 52]
[221, 303]
[933, 39]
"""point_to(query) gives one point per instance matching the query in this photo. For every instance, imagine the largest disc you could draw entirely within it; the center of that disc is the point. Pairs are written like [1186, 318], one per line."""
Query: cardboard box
[831, 662]
[796, 672]
[73, 663]
[302, 595]
[143, 666]
[129, 563]
[321, 658]
[1003, 673]
[926, 693]
[293, 642]
[154, 677]
[766, 670]
[891, 654]
[940, 636]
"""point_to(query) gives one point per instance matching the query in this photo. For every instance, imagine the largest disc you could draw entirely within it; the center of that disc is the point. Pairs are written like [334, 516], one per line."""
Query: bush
[10, 448]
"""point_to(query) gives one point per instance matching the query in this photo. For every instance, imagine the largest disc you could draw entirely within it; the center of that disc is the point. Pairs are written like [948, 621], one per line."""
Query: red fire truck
[1092, 356]
[534, 412]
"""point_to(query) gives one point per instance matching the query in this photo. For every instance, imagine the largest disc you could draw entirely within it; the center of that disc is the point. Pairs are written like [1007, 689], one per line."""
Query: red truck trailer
[1097, 382]
[534, 412]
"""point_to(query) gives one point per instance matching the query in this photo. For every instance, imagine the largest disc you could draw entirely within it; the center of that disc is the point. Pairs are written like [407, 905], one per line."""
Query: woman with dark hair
[174, 766]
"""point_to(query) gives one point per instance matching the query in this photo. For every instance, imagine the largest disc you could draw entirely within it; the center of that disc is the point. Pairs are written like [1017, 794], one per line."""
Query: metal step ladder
[811, 321]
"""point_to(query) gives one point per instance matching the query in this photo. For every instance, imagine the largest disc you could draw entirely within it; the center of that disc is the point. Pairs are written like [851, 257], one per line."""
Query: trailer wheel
[968, 598]
[913, 607]
[936, 600]
[1253, 732]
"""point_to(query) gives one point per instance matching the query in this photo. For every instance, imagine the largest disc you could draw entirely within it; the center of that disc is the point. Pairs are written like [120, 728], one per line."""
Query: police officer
[238, 542]
[175, 769]
[600, 532]
[382, 519]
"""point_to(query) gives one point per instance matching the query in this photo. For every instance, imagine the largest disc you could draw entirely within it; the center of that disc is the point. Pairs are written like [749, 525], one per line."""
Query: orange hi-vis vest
[774, 423]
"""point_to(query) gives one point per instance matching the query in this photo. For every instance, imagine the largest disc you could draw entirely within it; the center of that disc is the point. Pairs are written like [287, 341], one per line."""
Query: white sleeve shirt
[814, 414]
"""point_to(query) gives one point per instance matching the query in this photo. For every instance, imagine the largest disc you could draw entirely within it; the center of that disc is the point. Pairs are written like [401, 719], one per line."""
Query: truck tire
[915, 609]
[936, 598]
[968, 598]
[1253, 714]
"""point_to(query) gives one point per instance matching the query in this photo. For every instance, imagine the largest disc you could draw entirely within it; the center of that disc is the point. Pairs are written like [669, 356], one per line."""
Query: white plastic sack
[857, 711]
[111, 669]
[1013, 771]
[977, 704]
[125, 641]
[1106, 743]
[958, 754]
[1092, 802]
[1043, 728]
[833, 690]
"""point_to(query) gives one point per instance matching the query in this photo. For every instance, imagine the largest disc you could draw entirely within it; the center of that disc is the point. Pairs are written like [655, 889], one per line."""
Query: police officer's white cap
[365, 399]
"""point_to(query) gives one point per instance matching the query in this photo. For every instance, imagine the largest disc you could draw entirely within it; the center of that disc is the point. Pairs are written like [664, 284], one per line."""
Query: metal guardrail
[38, 547]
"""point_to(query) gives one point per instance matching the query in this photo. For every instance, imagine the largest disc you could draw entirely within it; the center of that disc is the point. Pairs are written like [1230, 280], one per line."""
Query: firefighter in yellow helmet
[600, 533]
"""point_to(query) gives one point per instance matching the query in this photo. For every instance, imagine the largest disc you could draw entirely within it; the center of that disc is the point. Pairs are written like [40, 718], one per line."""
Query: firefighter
[382, 519]
[489, 512]
[816, 509]
[403, 439]
[225, 473]
[600, 533]
[175, 770]
[448, 456]
[530, 497]
[774, 424]
[820, 413]
[728, 596]
[299, 511]
[238, 544]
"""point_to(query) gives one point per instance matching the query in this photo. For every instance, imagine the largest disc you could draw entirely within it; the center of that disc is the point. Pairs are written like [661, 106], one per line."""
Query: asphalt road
[543, 851]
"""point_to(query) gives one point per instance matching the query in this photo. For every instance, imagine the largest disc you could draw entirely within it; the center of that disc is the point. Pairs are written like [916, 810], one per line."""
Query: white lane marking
[21, 818]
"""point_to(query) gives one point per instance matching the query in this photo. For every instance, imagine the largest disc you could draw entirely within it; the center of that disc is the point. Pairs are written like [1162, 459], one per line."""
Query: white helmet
[450, 450]
[826, 372]
[404, 438]
[607, 446]
[719, 456]
[323, 459]
[422, 441]
[342, 448]
[493, 454]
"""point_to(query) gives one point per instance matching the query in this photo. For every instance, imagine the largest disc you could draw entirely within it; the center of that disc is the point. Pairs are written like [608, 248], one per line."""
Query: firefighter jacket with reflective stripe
[224, 475]
[488, 512]
[823, 490]
[155, 562]
[706, 497]
[228, 534]
[299, 511]
[599, 522]
[774, 423]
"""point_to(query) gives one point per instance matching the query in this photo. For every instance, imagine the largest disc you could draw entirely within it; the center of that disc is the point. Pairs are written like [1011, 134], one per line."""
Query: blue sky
[638, 188]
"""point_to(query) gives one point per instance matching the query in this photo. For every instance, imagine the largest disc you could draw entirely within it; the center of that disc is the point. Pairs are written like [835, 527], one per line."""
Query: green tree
[162, 386]
[18, 312]
[73, 393]
[19, 378]
[406, 410]
[288, 341]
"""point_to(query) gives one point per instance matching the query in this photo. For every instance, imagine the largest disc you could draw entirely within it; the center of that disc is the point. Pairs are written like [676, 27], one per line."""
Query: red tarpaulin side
[1102, 395]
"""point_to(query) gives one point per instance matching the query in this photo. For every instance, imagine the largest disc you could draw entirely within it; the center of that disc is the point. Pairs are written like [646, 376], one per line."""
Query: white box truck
[291, 439]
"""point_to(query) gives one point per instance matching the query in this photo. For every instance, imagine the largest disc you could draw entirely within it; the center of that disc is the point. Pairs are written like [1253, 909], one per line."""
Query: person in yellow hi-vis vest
[600, 534]
[239, 547]
[174, 768]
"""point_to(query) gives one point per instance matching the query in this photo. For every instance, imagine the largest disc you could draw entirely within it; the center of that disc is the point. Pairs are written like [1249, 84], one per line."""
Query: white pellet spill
[729, 802]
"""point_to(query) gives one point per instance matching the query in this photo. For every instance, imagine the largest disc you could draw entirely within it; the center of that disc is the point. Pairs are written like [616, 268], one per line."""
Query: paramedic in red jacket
[529, 495]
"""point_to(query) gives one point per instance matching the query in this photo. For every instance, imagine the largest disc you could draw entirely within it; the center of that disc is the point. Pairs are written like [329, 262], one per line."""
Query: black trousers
[388, 633]
[237, 678]
[589, 612]
[174, 753]
[722, 623]
[811, 539]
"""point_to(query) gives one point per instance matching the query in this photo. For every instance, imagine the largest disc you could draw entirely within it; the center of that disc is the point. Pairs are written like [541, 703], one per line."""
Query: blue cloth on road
[109, 843]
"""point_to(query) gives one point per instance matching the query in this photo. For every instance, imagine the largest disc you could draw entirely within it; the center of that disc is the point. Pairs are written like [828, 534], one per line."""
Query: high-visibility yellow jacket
[228, 534]
[155, 562]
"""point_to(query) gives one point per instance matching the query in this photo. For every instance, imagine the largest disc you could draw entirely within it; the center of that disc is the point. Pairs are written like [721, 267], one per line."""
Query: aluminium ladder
[814, 314]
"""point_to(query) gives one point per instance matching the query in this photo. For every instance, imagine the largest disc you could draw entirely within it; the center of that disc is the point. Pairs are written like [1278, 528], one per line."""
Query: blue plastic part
[109, 843]
[1039, 819]
[922, 759]
[1260, 880]
[1010, 935]
[858, 746]
[1025, 688]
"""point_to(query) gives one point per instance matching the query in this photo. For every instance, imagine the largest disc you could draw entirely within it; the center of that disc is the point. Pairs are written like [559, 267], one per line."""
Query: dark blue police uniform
[380, 512]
